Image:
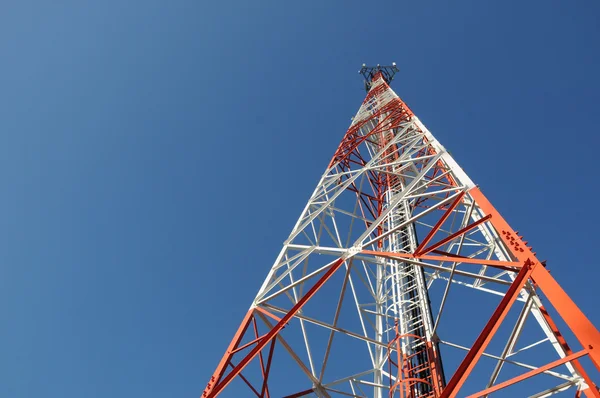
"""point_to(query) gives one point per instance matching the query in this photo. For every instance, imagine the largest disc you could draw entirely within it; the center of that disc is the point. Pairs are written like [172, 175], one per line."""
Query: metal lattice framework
[396, 259]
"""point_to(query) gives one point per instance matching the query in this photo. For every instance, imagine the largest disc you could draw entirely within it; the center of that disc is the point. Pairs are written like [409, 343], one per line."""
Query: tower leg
[215, 389]
[216, 377]
[580, 325]
[470, 360]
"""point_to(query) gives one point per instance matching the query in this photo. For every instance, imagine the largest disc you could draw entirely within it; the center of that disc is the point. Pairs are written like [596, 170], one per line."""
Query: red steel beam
[260, 358]
[300, 394]
[591, 392]
[276, 329]
[511, 265]
[440, 222]
[529, 374]
[216, 377]
[267, 313]
[245, 380]
[246, 345]
[266, 376]
[454, 235]
[479, 346]
[580, 325]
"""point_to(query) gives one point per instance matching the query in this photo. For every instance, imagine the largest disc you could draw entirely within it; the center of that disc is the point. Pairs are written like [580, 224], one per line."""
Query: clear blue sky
[154, 155]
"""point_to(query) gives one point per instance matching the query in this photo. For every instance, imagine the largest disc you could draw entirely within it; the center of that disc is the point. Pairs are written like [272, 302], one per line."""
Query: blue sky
[154, 156]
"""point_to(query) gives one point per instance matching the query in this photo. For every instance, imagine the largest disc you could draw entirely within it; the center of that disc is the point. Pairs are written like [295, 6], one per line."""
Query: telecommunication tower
[397, 260]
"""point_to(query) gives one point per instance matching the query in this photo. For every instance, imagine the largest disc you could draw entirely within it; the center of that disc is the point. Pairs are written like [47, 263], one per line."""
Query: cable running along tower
[397, 260]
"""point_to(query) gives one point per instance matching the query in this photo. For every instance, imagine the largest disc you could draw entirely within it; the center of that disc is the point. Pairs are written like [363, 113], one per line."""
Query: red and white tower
[397, 260]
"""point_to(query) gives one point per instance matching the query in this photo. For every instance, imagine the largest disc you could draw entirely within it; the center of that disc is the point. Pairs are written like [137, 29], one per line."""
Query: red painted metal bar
[440, 222]
[454, 235]
[590, 392]
[580, 325]
[436, 368]
[246, 345]
[216, 377]
[245, 380]
[260, 356]
[267, 313]
[511, 265]
[276, 329]
[266, 376]
[529, 374]
[300, 394]
[443, 253]
[479, 346]
[352, 141]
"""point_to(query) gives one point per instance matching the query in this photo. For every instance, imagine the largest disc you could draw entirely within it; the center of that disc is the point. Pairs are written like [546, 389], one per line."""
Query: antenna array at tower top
[369, 73]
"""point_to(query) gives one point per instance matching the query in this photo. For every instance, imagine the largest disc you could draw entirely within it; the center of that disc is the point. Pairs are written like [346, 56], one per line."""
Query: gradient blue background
[154, 155]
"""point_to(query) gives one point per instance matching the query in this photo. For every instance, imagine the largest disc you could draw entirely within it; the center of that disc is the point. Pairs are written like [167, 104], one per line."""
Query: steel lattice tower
[398, 258]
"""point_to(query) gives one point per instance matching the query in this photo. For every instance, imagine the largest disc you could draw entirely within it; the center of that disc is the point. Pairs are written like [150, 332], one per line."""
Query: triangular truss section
[396, 261]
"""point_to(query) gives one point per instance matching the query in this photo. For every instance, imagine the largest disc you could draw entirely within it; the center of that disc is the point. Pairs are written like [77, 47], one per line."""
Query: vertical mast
[402, 289]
